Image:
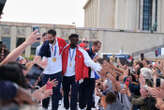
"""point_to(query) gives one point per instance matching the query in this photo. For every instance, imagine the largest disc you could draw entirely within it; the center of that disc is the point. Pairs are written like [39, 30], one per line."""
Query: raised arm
[19, 50]
[90, 63]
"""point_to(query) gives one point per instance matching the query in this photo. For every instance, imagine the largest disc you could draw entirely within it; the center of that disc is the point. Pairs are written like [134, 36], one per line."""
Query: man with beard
[52, 50]
[75, 63]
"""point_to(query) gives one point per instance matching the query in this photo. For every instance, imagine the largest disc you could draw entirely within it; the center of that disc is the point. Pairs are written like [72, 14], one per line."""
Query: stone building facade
[13, 33]
[133, 15]
[113, 41]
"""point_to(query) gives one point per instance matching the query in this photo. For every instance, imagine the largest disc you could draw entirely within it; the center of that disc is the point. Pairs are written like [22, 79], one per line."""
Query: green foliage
[31, 57]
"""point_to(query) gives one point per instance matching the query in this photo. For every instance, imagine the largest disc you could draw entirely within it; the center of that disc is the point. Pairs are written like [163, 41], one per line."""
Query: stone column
[162, 17]
[141, 14]
[100, 35]
[120, 14]
[153, 12]
[89, 15]
[106, 13]
[131, 14]
[13, 38]
[28, 49]
[86, 34]
[42, 30]
[159, 13]
[93, 11]
[138, 15]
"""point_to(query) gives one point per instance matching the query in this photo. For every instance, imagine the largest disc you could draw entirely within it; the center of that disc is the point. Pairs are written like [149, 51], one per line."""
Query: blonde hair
[147, 73]
[112, 58]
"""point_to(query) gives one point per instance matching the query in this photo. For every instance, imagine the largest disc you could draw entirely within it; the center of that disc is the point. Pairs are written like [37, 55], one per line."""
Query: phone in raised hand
[36, 28]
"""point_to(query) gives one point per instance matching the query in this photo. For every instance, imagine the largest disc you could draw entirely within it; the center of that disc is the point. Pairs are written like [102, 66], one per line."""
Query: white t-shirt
[38, 49]
[71, 63]
[55, 61]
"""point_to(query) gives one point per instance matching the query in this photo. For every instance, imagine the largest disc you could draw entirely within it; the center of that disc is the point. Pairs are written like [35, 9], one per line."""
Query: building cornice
[25, 24]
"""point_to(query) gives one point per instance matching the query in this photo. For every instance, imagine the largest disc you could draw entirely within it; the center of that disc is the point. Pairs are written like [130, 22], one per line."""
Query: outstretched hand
[51, 84]
[45, 91]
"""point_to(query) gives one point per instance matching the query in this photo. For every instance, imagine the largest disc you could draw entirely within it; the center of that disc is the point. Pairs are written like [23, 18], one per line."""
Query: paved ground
[61, 107]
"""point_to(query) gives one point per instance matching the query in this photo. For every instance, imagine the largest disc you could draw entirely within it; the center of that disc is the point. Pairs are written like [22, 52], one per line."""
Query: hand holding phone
[36, 28]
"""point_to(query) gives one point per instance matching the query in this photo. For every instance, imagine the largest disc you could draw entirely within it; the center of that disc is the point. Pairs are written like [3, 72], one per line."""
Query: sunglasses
[86, 41]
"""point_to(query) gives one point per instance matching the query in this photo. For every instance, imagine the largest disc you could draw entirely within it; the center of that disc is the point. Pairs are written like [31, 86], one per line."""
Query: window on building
[156, 14]
[33, 47]
[19, 41]
[147, 14]
[6, 41]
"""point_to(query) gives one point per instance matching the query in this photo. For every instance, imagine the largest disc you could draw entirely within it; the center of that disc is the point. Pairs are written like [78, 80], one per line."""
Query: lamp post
[74, 24]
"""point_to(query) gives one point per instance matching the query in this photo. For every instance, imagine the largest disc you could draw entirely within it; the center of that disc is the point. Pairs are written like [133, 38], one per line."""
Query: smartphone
[1, 43]
[36, 70]
[142, 56]
[34, 73]
[117, 77]
[34, 28]
[158, 82]
[127, 82]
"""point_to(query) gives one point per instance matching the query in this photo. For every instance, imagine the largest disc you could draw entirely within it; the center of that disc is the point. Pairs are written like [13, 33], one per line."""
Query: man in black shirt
[86, 88]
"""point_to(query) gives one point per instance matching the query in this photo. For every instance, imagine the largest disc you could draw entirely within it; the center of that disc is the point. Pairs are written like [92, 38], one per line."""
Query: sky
[45, 11]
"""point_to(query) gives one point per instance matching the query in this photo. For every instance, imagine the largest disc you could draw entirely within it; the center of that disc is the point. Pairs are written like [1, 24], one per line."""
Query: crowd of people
[77, 75]
[4, 51]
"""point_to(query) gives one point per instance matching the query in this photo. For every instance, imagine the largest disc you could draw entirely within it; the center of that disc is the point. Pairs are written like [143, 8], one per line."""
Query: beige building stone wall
[161, 15]
[113, 41]
[15, 30]
[106, 13]
[121, 14]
